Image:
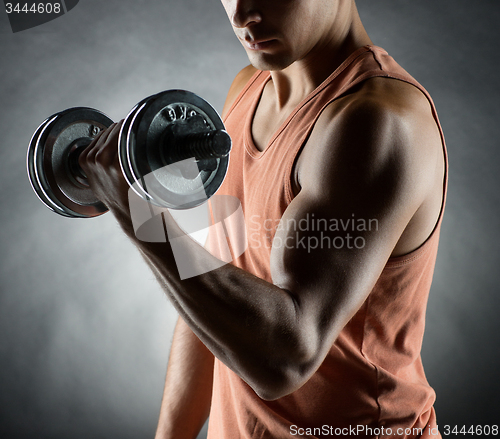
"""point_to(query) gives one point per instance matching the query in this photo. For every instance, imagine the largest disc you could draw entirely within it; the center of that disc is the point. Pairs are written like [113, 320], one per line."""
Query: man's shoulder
[378, 97]
[380, 122]
[238, 84]
[384, 109]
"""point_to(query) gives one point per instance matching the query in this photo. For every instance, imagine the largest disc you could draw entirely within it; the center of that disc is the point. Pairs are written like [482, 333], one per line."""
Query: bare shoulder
[382, 120]
[382, 101]
[384, 104]
[239, 82]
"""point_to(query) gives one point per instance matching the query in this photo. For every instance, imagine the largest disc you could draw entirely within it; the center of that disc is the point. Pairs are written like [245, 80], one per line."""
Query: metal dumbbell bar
[156, 136]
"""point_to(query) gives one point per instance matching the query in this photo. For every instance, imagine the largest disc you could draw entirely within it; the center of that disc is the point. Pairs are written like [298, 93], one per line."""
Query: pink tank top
[372, 380]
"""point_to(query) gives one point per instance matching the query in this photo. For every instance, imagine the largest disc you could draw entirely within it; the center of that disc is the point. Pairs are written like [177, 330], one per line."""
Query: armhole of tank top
[244, 90]
[395, 261]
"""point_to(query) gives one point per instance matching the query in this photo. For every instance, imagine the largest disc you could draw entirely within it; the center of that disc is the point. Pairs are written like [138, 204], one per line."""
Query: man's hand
[101, 164]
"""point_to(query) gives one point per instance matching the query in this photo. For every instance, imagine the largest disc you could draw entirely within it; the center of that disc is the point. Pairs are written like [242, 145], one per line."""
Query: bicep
[329, 259]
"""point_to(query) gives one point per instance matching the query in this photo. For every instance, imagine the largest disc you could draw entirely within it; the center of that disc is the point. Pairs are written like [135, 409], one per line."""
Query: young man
[339, 163]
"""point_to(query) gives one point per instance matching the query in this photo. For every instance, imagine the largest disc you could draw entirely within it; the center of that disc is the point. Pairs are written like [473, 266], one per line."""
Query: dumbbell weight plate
[47, 161]
[33, 171]
[145, 125]
[127, 135]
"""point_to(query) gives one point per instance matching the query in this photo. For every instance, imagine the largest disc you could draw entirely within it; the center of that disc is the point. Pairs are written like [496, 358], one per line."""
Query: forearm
[188, 387]
[249, 324]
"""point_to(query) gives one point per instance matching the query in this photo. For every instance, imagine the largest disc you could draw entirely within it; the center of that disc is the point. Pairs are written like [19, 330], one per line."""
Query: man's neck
[292, 84]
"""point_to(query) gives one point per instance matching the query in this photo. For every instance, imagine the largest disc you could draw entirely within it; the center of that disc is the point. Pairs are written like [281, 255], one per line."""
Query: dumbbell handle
[72, 161]
[207, 145]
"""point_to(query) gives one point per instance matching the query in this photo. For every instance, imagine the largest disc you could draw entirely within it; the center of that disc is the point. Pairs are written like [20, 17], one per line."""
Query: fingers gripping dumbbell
[156, 137]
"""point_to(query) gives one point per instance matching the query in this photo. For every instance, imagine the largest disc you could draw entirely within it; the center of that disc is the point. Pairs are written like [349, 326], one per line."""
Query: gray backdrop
[84, 328]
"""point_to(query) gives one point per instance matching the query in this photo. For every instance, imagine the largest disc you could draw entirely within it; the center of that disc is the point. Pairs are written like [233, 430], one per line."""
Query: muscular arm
[188, 387]
[275, 335]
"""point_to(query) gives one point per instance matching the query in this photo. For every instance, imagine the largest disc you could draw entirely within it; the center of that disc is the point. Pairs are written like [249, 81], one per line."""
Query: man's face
[276, 33]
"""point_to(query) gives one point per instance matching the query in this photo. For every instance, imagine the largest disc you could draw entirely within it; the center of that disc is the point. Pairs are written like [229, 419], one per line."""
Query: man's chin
[268, 62]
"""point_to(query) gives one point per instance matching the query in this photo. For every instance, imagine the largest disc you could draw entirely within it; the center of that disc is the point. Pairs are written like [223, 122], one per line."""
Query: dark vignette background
[84, 328]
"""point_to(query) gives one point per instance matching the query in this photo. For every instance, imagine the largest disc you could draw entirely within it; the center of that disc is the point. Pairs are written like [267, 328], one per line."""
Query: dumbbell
[160, 141]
